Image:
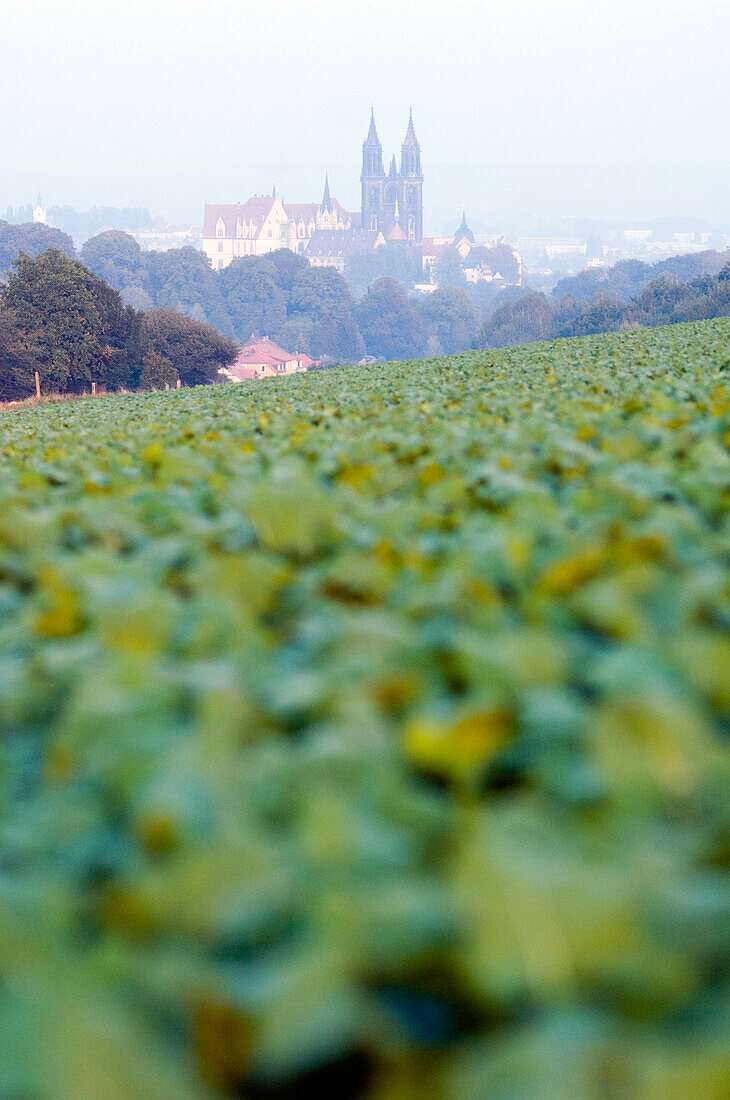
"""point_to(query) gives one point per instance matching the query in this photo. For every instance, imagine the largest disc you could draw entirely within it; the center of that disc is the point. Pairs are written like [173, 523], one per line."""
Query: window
[220, 228]
[220, 246]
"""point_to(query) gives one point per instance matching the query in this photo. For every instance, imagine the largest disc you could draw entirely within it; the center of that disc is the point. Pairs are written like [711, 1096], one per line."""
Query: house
[265, 359]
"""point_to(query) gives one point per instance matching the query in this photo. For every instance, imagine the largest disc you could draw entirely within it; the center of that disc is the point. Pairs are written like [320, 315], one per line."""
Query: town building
[264, 224]
[265, 359]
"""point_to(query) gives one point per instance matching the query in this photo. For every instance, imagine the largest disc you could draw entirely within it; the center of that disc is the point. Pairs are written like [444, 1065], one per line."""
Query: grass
[372, 724]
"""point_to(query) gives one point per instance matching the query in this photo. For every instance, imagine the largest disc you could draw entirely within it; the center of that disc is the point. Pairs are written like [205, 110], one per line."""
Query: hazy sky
[113, 94]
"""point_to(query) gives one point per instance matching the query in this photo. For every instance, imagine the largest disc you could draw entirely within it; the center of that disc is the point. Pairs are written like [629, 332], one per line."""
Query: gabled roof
[255, 211]
[395, 233]
[263, 351]
[302, 211]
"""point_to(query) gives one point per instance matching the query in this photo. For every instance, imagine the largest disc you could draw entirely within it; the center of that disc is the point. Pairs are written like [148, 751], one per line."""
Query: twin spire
[372, 153]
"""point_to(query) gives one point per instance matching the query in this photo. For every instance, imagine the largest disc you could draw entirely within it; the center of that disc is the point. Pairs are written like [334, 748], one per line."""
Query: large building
[264, 224]
[395, 199]
[391, 211]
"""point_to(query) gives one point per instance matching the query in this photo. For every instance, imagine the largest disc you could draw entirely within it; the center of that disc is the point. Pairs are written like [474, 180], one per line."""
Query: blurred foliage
[365, 733]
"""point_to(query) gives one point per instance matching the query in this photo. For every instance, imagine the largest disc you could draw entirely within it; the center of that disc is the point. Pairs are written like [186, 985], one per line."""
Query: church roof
[342, 242]
[464, 230]
[395, 233]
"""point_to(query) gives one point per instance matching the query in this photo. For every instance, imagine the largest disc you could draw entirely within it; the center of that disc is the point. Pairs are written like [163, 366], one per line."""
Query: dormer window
[220, 229]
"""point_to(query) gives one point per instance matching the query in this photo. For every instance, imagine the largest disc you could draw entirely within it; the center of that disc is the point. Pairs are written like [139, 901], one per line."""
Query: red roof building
[265, 359]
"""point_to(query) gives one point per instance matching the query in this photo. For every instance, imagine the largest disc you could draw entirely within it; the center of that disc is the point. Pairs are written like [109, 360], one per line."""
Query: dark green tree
[319, 290]
[390, 325]
[157, 372]
[254, 302]
[18, 358]
[181, 279]
[195, 351]
[82, 328]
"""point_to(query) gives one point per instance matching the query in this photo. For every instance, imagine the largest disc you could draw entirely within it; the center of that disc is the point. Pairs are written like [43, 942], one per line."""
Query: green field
[366, 733]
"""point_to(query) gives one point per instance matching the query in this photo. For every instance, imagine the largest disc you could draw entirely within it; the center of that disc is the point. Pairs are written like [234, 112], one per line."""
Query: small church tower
[372, 178]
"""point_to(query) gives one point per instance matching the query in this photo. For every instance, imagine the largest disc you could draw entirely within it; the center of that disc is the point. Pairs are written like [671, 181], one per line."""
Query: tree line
[662, 301]
[126, 318]
[58, 318]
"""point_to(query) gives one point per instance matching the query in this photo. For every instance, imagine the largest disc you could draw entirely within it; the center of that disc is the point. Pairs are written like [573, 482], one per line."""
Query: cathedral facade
[395, 198]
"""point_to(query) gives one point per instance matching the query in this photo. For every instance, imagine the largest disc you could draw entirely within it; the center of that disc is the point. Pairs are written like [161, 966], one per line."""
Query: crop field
[365, 733]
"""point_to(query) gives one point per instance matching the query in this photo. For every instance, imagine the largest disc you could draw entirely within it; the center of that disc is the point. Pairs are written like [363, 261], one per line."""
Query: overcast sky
[126, 92]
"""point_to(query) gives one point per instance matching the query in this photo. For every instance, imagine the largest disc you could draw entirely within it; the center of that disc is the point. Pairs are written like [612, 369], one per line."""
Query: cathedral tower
[372, 179]
[402, 190]
[411, 175]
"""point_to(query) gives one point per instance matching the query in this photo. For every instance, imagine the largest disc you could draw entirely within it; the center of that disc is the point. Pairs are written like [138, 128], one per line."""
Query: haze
[527, 108]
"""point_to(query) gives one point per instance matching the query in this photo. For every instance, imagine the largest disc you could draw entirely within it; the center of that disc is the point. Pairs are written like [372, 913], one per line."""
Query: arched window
[220, 228]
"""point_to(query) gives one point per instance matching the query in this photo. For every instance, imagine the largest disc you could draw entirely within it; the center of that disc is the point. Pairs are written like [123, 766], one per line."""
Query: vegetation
[58, 318]
[31, 239]
[663, 301]
[372, 724]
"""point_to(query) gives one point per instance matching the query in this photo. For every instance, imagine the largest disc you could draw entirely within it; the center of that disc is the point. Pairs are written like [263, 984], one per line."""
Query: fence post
[93, 389]
[37, 384]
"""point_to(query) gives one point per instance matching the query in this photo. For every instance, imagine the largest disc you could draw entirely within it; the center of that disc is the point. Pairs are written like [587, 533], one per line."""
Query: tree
[253, 301]
[319, 290]
[31, 238]
[338, 337]
[82, 328]
[529, 318]
[449, 270]
[397, 261]
[452, 320]
[157, 372]
[181, 279]
[194, 350]
[18, 358]
[390, 325]
[117, 258]
[288, 267]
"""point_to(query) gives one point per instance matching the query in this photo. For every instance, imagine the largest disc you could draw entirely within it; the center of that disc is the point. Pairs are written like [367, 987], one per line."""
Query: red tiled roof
[395, 233]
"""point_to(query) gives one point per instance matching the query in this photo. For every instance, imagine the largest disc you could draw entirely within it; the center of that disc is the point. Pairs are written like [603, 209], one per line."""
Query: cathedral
[394, 200]
[391, 212]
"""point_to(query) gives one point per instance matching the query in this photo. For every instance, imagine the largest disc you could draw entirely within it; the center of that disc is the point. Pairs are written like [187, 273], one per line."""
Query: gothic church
[393, 201]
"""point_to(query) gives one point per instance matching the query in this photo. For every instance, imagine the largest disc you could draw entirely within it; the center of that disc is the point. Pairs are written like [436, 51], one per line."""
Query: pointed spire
[273, 192]
[372, 137]
[393, 168]
[411, 138]
[326, 200]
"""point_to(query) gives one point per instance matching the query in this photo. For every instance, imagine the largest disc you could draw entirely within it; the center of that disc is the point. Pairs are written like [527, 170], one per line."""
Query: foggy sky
[167, 104]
